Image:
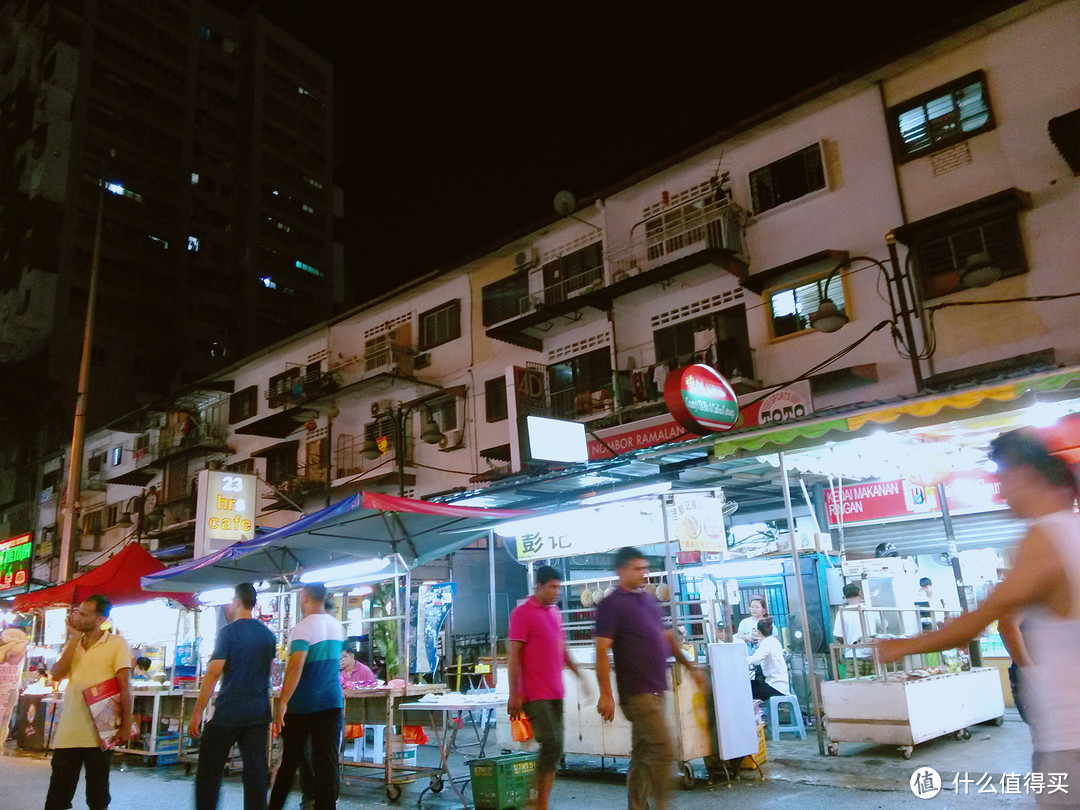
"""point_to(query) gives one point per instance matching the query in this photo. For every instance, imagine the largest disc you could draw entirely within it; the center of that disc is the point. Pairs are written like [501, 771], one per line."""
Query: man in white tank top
[1044, 586]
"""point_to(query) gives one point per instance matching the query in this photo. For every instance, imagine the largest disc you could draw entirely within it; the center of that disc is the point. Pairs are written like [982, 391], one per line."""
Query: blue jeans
[323, 729]
[214, 747]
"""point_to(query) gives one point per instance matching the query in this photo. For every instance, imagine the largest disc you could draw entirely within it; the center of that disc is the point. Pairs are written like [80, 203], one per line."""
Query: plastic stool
[795, 726]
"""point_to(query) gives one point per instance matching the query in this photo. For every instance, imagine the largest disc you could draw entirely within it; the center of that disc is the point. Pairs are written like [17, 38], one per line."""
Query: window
[946, 115]
[243, 404]
[440, 325]
[444, 412]
[787, 179]
[581, 385]
[790, 307]
[502, 300]
[112, 514]
[280, 463]
[117, 456]
[720, 340]
[495, 399]
[283, 386]
[940, 245]
[307, 268]
[95, 463]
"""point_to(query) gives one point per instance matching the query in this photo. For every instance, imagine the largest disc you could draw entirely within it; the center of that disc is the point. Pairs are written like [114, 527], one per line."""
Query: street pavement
[862, 778]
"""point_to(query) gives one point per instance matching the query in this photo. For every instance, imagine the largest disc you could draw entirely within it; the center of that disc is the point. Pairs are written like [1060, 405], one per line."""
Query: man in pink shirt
[352, 672]
[537, 656]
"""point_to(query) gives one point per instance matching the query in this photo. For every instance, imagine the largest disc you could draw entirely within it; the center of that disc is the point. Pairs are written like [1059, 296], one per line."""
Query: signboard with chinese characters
[15, 557]
[586, 531]
[225, 513]
[699, 523]
[967, 491]
[701, 399]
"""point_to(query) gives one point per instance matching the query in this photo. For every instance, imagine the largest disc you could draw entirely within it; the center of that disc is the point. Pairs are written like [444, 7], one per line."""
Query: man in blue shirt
[311, 702]
[243, 652]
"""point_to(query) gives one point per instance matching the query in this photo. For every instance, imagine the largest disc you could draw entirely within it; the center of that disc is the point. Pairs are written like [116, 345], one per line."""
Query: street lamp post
[430, 435]
[829, 318]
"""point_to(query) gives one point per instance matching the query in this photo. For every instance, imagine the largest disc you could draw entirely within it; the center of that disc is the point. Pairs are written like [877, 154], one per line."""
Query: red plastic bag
[414, 735]
[521, 729]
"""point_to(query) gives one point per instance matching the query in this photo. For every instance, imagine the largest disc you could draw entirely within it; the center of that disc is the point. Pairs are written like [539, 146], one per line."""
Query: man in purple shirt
[630, 625]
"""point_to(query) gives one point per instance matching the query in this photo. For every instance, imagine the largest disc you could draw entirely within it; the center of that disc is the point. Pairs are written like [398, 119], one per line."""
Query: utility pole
[73, 491]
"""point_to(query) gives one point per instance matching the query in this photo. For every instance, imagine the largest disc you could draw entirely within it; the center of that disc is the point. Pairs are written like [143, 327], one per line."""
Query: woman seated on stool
[770, 654]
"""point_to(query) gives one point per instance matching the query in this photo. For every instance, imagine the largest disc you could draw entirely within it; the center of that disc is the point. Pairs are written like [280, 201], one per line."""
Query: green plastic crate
[503, 782]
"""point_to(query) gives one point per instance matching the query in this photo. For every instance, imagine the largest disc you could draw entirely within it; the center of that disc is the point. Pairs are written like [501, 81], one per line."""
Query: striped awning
[903, 414]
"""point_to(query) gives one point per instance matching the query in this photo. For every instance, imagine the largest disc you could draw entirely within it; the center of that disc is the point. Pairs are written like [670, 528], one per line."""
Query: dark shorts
[546, 717]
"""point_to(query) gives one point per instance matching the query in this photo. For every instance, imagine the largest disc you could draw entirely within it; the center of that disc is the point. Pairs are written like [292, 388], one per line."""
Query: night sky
[463, 120]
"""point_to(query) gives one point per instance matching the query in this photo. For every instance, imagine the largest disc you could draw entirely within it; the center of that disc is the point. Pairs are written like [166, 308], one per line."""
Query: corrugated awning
[910, 413]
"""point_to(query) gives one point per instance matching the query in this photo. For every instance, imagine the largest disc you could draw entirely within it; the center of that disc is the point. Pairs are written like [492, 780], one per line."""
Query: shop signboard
[883, 567]
[699, 523]
[792, 402]
[525, 396]
[15, 557]
[585, 531]
[225, 513]
[967, 492]
[701, 399]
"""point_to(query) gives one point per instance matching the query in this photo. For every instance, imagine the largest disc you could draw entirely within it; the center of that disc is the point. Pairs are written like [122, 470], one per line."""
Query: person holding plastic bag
[537, 656]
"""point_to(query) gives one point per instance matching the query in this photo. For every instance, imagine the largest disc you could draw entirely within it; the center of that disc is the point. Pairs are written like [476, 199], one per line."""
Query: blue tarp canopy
[365, 525]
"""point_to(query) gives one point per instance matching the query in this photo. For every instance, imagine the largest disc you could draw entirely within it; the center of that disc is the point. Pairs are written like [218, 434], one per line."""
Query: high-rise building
[207, 140]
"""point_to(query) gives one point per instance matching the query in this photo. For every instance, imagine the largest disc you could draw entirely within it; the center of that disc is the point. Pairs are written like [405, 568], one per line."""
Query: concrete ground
[862, 776]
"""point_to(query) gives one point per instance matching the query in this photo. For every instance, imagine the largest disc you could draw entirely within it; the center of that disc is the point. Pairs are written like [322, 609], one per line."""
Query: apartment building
[959, 157]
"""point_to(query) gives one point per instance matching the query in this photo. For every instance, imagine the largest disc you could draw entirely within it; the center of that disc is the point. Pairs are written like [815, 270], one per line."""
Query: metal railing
[571, 287]
[680, 232]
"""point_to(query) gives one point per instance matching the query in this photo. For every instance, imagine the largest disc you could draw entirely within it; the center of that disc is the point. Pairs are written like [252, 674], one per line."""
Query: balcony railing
[716, 224]
[582, 403]
[349, 461]
[393, 360]
[567, 288]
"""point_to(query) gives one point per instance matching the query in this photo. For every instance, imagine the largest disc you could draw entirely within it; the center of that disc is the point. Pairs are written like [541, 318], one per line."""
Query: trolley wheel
[436, 784]
[833, 749]
[967, 734]
[688, 776]
[962, 734]
[907, 751]
[998, 721]
[393, 792]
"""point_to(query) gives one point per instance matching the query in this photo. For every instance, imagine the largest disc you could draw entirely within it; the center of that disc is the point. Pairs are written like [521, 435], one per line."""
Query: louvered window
[790, 308]
[946, 115]
[942, 257]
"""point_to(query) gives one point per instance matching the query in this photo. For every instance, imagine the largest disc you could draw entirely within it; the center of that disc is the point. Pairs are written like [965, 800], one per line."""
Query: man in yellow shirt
[91, 655]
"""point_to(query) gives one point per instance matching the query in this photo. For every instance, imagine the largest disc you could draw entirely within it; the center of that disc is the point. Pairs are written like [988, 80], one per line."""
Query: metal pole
[905, 314]
[408, 615]
[72, 492]
[974, 648]
[331, 412]
[808, 649]
[668, 562]
[491, 602]
[399, 448]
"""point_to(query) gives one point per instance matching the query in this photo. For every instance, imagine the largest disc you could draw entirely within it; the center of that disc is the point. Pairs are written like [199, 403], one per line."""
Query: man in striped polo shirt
[310, 707]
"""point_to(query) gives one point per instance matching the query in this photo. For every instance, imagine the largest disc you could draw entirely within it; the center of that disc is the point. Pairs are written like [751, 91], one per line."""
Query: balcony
[298, 387]
[383, 363]
[674, 242]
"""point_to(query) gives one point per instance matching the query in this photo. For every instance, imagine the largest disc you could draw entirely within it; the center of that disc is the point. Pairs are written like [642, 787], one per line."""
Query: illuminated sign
[701, 399]
[15, 561]
[226, 510]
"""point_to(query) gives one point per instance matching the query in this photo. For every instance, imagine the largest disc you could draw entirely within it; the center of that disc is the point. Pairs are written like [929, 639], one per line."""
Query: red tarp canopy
[117, 578]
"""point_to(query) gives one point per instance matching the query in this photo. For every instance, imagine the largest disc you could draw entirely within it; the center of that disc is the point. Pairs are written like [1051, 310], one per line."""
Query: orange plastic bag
[414, 735]
[521, 729]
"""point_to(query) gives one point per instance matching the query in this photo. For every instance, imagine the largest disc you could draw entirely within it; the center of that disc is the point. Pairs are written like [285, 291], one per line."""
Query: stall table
[488, 702]
[894, 711]
[379, 706]
[159, 705]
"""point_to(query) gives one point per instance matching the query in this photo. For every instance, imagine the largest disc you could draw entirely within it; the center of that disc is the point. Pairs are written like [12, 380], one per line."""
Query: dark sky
[463, 120]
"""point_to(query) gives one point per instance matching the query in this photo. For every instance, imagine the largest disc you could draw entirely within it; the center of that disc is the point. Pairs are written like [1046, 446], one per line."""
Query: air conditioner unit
[422, 360]
[524, 258]
[381, 406]
[452, 440]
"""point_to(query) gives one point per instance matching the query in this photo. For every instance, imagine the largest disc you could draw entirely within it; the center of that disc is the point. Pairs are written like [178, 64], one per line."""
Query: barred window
[946, 115]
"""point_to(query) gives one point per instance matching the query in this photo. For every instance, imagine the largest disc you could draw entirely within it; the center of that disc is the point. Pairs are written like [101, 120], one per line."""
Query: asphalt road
[24, 780]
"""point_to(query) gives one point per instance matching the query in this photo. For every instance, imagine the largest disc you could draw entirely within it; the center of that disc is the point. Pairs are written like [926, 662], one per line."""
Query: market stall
[157, 703]
[363, 540]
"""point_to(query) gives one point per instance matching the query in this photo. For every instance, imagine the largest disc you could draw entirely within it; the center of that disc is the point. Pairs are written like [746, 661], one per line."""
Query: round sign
[701, 399]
